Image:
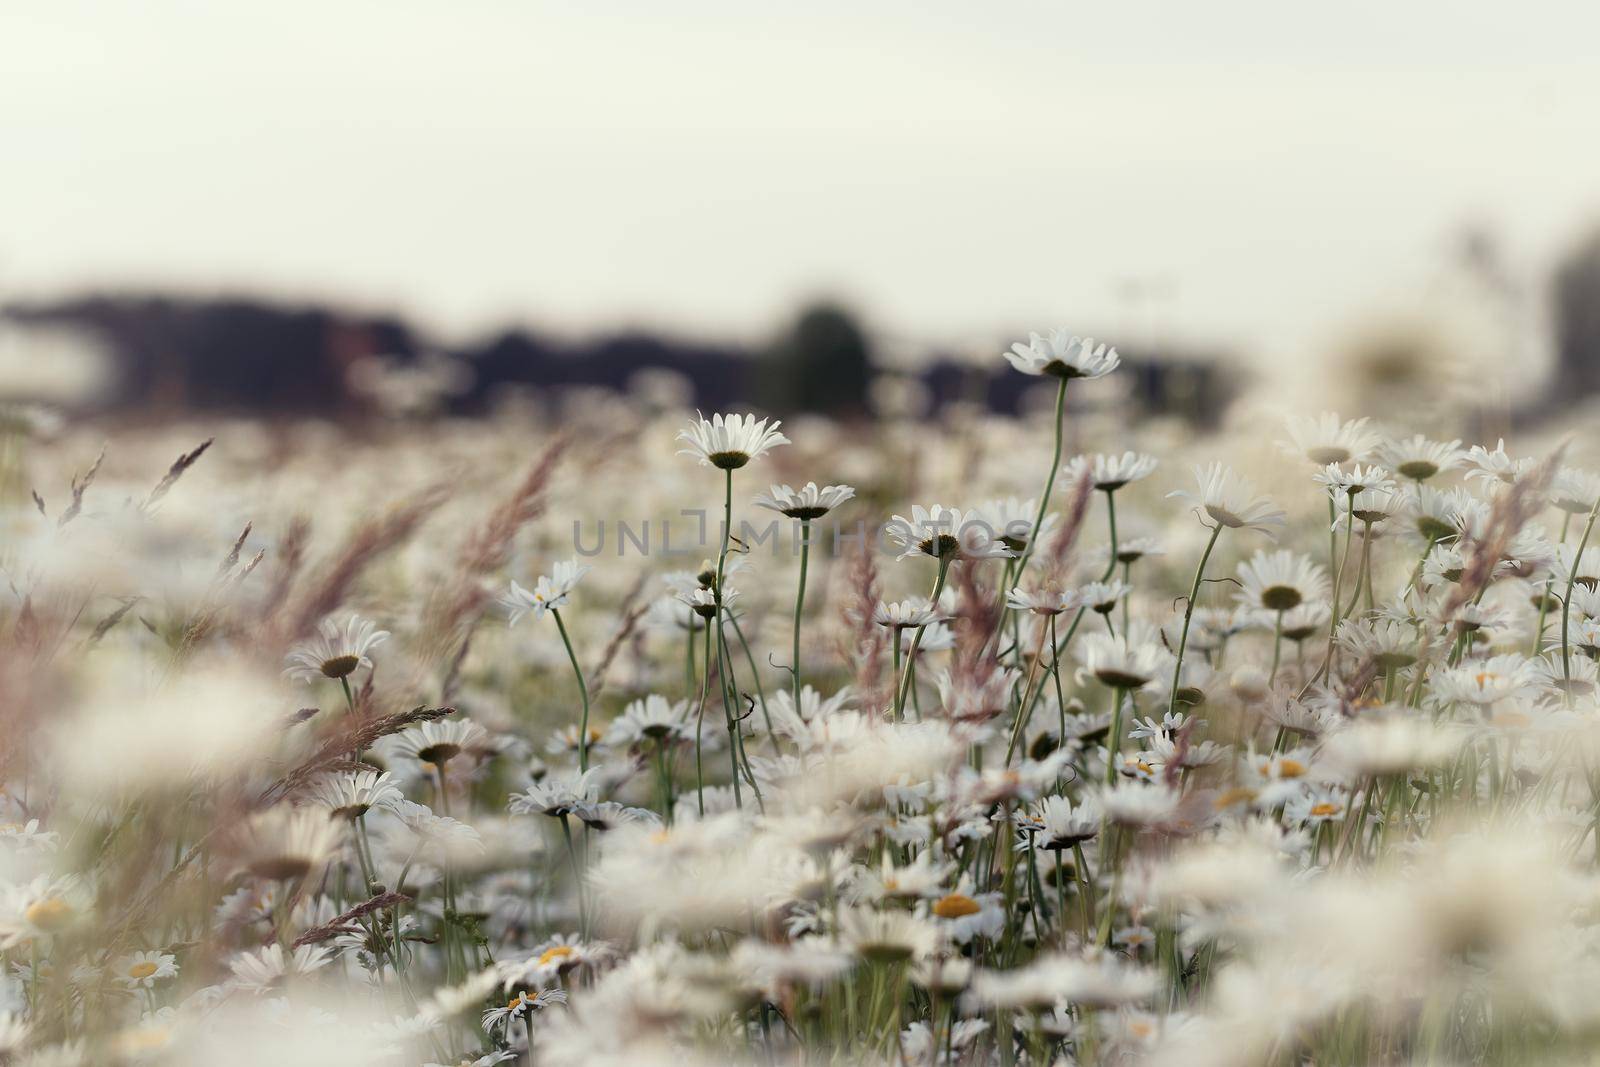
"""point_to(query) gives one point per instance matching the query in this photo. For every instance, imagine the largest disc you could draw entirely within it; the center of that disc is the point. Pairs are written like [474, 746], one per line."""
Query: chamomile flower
[1230, 500]
[438, 742]
[557, 795]
[267, 970]
[284, 844]
[1063, 355]
[1484, 683]
[806, 503]
[1388, 643]
[1327, 439]
[1281, 580]
[1134, 549]
[1305, 619]
[335, 652]
[1101, 597]
[142, 970]
[905, 614]
[946, 534]
[1575, 491]
[1357, 479]
[1109, 472]
[41, 908]
[1064, 825]
[521, 1004]
[728, 442]
[1318, 805]
[351, 794]
[653, 718]
[1130, 661]
[1011, 519]
[1418, 458]
[1494, 464]
[1039, 602]
[886, 936]
[550, 592]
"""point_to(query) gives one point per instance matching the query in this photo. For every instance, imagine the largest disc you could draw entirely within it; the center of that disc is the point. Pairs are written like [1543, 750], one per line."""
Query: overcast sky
[955, 168]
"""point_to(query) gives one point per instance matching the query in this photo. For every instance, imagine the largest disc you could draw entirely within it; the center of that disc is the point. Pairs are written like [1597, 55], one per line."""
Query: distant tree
[822, 364]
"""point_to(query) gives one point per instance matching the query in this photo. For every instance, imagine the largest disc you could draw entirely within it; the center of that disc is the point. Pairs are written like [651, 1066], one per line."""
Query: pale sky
[953, 168]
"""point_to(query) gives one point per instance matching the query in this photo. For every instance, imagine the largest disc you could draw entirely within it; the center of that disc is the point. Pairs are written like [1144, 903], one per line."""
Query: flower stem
[1188, 615]
[916, 642]
[1566, 601]
[583, 691]
[799, 603]
[1049, 482]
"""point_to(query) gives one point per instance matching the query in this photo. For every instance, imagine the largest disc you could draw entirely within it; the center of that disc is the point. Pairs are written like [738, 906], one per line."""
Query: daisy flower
[142, 970]
[946, 534]
[1124, 662]
[1485, 682]
[1101, 597]
[1317, 805]
[1327, 439]
[1134, 549]
[1110, 472]
[1039, 602]
[437, 743]
[521, 1004]
[556, 795]
[335, 652]
[285, 844]
[1494, 464]
[905, 614]
[351, 794]
[1357, 479]
[1065, 825]
[728, 442]
[806, 503]
[548, 593]
[1063, 355]
[1575, 491]
[653, 718]
[1281, 580]
[1230, 500]
[41, 908]
[267, 970]
[1418, 458]
[886, 936]
[1012, 520]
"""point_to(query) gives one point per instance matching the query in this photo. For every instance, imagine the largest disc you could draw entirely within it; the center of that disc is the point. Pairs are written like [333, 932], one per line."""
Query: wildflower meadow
[617, 733]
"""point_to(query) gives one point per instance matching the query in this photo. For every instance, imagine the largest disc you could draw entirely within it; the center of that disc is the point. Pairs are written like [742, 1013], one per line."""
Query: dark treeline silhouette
[176, 353]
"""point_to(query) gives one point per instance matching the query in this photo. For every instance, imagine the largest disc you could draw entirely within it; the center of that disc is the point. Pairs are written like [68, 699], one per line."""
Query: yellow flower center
[1238, 795]
[1291, 768]
[955, 906]
[556, 952]
[1324, 809]
[1483, 678]
[143, 969]
[51, 913]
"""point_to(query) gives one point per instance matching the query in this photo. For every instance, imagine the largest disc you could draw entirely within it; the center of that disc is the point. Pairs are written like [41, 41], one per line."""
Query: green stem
[1566, 600]
[583, 691]
[799, 603]
[916, 642]
[1049, 482]
[1188, 615]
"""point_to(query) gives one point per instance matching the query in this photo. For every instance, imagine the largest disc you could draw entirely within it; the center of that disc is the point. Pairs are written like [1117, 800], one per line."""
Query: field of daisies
[608, 732]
